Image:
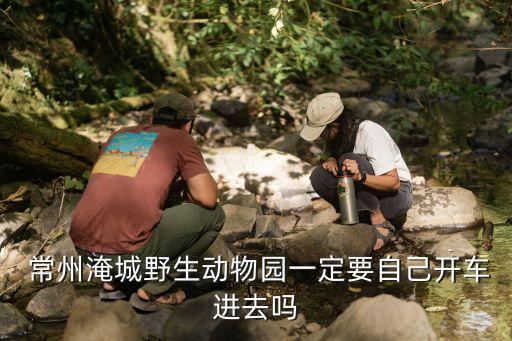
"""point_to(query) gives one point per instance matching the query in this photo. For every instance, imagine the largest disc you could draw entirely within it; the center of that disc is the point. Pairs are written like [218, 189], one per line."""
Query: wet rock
[267, 226]
[332, 239]
[49, 218]
[454, 245]
[280, 180]
[240, 197]
[366, 108]
[12, 223]
[443, 208]
[495, 76]
[62, 247]
[239, 222]
[12, 322]
[464, 65]
[235, 112]
[53, 303]
[383, 318]
[490, 59]
[91, 319]
[493, 135]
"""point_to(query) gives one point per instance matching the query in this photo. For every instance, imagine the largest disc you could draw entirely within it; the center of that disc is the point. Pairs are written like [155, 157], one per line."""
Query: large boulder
[62, 247]
[91, 319]
[53, 303]
[384, 317]
[267, 226]
[281, 180]
[493, 136]
[235, 112]
[12, 322]
[495, 76]
[193, 320]
[487, 59]
[239, 222]
[332, 239]
[445, 209]
[240, 197]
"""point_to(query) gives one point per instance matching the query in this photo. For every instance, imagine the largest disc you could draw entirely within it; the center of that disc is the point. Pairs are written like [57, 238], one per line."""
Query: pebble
[313, 327]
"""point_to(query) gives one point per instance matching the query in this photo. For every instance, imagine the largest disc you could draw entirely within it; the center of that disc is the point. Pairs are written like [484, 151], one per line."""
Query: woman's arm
[387, 182]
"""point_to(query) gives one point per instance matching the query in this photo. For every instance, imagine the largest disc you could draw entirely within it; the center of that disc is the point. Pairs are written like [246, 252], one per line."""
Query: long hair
[342, 142]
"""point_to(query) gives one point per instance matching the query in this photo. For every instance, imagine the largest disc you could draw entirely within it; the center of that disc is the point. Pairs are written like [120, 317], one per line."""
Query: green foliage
[479, 96]
[76, 184]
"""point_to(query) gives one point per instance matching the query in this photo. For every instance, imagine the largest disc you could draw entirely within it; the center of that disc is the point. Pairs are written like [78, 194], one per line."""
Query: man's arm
[385, 182]
[202, 190]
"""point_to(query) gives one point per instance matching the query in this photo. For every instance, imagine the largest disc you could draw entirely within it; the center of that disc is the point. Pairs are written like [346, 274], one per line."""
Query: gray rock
[446, 209]
[48, 218]
[219, 248]
[280, 180]
[454, 245]
[383, 318]
[12, 322]
[241, 197]
[458, 65]
[332, 239]
[53, 303]
[239, 222]
[91, 319]
[193, 319]
[288, 143]
[11, 223]
[267, 226]
[490, 59]
[62, 247]
[235, 112]
[153, 323]
[34, 195]
[366, 108]
[495, 76]
[493, 135]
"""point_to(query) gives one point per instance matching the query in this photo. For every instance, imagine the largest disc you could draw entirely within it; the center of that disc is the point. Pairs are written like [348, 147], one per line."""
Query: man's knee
[218, 218]
[317, 179]
[361, 160]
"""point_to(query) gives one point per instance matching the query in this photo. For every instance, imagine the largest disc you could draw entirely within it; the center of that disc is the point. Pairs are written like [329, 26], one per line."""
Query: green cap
[174, 107]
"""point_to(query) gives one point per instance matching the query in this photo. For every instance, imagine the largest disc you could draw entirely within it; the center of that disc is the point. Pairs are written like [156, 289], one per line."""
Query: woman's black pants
[394, 205]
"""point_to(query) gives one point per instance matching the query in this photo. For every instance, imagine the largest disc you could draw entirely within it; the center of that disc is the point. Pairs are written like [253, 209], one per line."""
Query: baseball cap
[322, 110]
[174, 107]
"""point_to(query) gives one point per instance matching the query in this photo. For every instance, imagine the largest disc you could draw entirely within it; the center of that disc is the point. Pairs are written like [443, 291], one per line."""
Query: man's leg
[186, 229]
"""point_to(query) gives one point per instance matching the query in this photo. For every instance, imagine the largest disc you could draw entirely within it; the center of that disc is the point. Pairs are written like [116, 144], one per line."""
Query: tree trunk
[44, 148]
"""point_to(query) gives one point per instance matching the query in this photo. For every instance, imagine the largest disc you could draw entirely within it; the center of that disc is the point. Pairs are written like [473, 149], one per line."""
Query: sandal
[152, 304]
[390, 237]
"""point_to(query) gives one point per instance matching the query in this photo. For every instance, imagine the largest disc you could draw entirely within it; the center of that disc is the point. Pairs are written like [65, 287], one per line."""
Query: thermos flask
[347, 198]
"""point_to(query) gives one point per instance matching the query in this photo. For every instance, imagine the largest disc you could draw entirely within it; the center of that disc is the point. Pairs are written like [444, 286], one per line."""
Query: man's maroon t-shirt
[129, 185]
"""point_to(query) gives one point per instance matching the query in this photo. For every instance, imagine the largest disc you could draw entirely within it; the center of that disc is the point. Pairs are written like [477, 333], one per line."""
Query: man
[121, 213]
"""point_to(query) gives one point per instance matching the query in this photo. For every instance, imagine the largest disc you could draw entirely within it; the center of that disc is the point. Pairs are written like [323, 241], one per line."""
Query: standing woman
[382, 179]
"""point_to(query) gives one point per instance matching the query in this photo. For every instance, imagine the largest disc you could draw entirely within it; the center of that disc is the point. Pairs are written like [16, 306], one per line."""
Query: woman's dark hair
[342, 142]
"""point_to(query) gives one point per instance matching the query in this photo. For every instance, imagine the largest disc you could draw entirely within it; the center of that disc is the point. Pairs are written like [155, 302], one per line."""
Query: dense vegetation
[56, 53]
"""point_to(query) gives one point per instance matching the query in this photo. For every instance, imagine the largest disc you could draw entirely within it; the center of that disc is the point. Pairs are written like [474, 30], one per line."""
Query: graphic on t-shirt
[125, 154]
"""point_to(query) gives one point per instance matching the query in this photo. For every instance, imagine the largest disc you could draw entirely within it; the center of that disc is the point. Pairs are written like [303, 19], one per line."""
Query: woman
[382, 179]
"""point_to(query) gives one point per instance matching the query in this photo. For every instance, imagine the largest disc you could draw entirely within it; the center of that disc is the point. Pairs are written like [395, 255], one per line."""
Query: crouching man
[122, 214]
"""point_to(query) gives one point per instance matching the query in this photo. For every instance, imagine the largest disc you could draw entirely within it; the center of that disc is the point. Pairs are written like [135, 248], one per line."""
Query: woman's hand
[331, 165]
[353, 167]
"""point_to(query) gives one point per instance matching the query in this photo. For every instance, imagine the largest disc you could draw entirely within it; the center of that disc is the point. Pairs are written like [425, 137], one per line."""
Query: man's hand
[352, 167]
[331, 165]
[202, 190]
